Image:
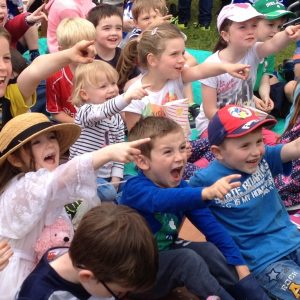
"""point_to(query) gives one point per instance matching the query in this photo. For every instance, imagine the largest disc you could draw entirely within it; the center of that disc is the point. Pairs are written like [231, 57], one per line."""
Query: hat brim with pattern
[23, 128]
[233, 121]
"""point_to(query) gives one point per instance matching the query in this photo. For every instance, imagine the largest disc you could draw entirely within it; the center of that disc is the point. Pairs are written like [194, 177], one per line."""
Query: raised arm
[45, 65]
[279, 41]
[291, 151]
[210, 69]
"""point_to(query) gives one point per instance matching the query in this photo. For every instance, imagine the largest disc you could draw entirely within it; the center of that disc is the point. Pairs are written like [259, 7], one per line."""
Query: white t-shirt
[231, 90]
[151, 105]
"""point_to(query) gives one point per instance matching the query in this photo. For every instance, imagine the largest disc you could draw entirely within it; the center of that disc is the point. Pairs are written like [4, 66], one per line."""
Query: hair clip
[154, 31]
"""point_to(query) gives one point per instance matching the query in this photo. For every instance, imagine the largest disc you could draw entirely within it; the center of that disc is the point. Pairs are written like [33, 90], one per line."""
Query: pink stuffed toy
[60, 233]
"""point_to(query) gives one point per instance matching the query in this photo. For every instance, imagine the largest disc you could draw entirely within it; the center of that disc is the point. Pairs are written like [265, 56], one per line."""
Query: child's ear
[83, 94]
[15, 161]
[142, 162]
[151, 60]
[216, 152]
[225, 36]
[85, 276]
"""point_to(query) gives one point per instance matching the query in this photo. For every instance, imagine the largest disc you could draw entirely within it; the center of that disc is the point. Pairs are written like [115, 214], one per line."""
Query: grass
[206, 40]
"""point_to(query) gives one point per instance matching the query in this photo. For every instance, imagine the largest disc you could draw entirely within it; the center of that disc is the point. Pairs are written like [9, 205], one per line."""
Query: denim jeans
[106, 191]
[204, 14]
[282, 278]
[199, 266]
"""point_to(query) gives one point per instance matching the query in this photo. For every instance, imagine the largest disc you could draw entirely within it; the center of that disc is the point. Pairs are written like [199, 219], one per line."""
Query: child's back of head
[114, 242]
[72, 30]
[153, 127]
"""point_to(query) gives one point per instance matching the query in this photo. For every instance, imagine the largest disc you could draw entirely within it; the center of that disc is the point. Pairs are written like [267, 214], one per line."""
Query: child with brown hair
[34, 188]
[160, 195]
[107, 20]
[112, 253]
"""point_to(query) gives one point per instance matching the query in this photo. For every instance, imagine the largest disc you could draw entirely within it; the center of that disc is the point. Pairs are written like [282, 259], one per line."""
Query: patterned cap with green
[272, 9]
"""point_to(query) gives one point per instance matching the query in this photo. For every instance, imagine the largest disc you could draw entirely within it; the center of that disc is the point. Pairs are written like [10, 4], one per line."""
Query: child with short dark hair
[253, 213]
[112, 253]
[163, 198]
[107, 20]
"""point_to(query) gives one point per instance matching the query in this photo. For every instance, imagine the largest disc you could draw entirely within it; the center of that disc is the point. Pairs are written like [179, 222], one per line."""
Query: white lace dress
[35, 199]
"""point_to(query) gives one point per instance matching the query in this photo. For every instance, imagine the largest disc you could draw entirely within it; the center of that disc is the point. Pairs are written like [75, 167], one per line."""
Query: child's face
[45, 152]
[171, 62]
[109, 33]
[266, 29]
[5, 65]
[241, 35]
[243, 153]
[146, 18]
[167, 160]
[104, 91]
[3, 12]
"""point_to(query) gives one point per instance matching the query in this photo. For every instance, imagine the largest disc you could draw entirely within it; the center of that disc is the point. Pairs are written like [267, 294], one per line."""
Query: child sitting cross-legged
[163, 198]
[253, 212]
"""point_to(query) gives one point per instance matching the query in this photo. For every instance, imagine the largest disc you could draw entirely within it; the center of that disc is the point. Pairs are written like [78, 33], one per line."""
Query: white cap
[238, 12]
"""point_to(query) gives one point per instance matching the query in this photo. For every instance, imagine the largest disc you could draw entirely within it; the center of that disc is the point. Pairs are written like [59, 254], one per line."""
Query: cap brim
[67, 134]
[255, 126]
[279, 13]
[240, 19]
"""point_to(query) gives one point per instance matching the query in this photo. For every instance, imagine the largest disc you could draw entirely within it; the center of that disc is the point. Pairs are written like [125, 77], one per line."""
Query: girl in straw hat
[34, 188]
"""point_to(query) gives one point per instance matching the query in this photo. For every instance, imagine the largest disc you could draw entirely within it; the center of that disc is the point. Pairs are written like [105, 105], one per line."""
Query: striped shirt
[101, 125]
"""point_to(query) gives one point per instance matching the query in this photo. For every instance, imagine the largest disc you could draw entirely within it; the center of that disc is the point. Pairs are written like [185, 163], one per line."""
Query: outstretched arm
[279, 41]
[210, 69]
[45, 65]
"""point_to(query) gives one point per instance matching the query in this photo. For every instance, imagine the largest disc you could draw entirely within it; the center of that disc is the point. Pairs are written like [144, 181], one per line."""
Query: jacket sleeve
[215, 233]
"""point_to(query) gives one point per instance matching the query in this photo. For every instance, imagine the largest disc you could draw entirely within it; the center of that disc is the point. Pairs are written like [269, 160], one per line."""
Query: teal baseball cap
[272, 9]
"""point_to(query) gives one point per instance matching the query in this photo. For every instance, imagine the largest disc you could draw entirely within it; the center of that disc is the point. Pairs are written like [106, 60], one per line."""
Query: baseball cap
[272, 9]
[238, 12]
[234, 121]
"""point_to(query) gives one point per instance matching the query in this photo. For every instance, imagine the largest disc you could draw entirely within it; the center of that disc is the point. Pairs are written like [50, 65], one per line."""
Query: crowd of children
[114, 74]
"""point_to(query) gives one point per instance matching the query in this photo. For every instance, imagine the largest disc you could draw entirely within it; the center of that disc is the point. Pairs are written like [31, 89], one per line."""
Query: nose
[179, 156]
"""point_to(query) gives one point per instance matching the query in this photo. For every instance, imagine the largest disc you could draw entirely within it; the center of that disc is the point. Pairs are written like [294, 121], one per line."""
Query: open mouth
[2, 80]
[50, 158]
[176, 173]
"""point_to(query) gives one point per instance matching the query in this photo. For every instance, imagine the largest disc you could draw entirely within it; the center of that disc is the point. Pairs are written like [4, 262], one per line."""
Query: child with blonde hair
[237, 25]
[59, 85]
[95, 95]
[34, 188]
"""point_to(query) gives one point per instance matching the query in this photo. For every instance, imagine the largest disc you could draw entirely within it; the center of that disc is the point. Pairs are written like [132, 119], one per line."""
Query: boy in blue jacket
[253, 212]
[160, 195]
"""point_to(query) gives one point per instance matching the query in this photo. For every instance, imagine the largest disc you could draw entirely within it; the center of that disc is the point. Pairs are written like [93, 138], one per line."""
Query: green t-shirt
[265, 67]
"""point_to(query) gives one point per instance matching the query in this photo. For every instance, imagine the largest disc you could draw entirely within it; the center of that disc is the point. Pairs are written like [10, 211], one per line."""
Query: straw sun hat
[22, 128]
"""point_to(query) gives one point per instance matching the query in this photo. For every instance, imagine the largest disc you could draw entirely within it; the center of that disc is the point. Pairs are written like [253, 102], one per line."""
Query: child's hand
[265, 105]
[240, 71]
[82, 52]
[37, 16]
[221, 187]
[136, 94]
[242, 271]
[125, 152]
[293, 32]
[5, 253]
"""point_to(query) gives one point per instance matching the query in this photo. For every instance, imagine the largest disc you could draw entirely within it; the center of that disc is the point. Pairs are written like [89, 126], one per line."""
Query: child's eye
[35, 142]
[7, 58]
[183, 147]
